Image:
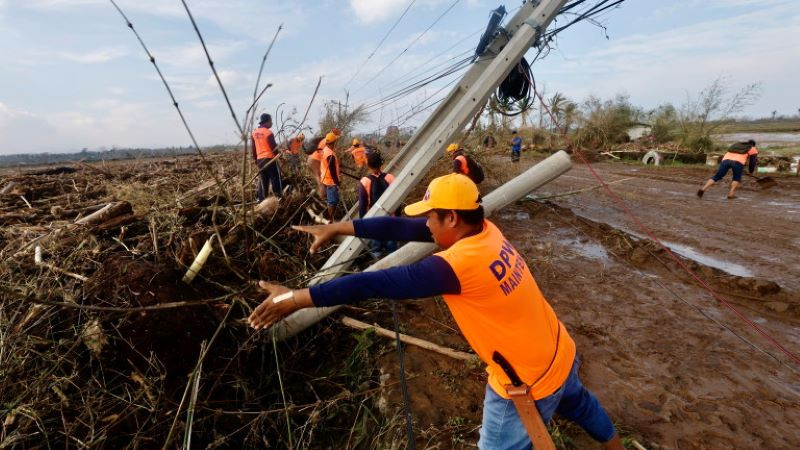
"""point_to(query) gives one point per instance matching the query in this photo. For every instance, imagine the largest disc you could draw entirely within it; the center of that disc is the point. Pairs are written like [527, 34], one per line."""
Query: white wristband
[283, 297]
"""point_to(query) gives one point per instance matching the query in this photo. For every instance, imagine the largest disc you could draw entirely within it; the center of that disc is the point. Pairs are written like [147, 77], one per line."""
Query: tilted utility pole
[442, 127]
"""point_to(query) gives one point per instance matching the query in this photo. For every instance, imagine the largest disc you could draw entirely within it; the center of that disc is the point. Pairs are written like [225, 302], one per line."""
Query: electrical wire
[361, 66]
[449, 8]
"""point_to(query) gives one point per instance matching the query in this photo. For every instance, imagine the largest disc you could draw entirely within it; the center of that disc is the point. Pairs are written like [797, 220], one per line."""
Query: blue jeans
[726, 165]
[502, 428]
[332, 195]
[271, 176]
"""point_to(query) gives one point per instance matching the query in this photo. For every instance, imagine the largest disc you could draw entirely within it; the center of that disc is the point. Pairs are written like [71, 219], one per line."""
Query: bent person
[492, 295]
[739, 155]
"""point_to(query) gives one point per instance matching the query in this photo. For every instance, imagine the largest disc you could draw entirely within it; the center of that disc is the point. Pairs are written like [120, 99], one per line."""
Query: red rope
[621, 203]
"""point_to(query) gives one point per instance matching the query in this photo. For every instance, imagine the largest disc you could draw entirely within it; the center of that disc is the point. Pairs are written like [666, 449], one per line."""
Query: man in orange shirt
[264, 153]
[329, 173]
[740, 154]
[359, 154]
[293, 152]
[492, 295]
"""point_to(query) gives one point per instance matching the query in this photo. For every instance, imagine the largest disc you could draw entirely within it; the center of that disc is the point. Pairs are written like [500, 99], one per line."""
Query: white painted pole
[447, 124]
[533, 178]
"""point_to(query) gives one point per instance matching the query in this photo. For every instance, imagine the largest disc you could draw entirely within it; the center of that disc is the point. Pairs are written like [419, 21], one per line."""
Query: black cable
[175, 104]
[214, 70]
[403, 386]
[452, 5]
[380, 43]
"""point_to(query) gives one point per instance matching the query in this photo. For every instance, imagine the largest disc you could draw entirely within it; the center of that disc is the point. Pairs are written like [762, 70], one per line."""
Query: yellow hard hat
[331, 137]
[453, 191]
[452, 147]
[356, 142]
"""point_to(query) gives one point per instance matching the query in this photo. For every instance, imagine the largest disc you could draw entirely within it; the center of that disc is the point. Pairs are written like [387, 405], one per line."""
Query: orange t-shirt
[325, 170]
[464, 166]
[740, 157]
[261, 137]
[294, 146]
[500, 308]
[359, 155]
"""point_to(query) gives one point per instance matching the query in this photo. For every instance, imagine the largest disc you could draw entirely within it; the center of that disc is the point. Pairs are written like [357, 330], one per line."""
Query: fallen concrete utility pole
[447, 123]
[533, 178]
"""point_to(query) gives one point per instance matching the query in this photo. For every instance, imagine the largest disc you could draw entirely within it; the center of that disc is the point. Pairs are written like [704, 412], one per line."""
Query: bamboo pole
[359, 325]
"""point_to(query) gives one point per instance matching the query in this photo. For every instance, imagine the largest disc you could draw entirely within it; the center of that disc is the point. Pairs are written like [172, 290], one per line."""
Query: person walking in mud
[493, 297]
[516, 146]
[739, 155]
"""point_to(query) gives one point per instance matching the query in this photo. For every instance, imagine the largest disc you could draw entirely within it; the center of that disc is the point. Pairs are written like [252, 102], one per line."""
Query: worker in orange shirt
[330, 174]
[359, 154]
[740, 154]
[293, 152]
[264, 153]
[492, 295]
[463, 164]
[314, 160]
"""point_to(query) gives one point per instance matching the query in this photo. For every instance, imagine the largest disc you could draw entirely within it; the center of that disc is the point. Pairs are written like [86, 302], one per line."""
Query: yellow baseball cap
[453, 191]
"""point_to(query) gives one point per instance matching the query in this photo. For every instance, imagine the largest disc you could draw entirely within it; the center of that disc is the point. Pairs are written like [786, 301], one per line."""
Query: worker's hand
[322, 234]
[269, 312]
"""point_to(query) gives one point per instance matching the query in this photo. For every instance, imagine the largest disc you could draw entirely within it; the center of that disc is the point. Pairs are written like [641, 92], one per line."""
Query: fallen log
[359, 325]
[106, 213]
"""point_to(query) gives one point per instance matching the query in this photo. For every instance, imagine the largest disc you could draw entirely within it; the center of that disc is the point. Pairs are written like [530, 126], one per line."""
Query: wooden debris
[39, 261]
[359, 325]
[267, 207]
[199, 262]
[317, 218]
[106, 213]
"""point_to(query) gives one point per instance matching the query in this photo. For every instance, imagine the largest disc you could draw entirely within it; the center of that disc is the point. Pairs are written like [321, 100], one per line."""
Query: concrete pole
[530, 180]
[448, 124]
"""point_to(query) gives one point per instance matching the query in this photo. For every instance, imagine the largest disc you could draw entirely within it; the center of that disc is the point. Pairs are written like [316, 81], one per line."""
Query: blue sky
[74, 76]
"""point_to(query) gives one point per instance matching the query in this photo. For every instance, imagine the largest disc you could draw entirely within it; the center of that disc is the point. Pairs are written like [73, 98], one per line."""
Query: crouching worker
[370, 189]
[739, 155]
[491, 294]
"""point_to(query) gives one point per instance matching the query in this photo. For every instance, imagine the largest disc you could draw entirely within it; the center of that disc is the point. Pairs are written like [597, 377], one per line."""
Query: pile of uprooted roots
[102, 344]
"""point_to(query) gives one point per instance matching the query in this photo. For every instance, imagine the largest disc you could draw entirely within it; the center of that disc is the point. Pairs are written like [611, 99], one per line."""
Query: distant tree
[774, 113]
[713, 106]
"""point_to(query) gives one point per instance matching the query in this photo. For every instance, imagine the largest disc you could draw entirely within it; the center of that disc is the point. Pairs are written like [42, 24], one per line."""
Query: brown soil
[673, 367]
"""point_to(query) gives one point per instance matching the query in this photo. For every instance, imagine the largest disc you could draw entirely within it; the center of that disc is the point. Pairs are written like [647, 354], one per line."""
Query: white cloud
[93, 57]
[377, 11]
[658, 67]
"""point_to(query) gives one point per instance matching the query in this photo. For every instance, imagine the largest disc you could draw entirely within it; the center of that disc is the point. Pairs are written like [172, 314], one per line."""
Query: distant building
[638, 131]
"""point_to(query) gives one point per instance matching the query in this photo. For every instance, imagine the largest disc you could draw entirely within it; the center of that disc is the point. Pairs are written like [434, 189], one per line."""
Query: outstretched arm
[380, 228]
[429, 277]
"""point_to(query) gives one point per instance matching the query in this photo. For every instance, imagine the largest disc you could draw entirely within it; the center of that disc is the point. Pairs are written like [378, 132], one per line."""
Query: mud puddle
[710, 261]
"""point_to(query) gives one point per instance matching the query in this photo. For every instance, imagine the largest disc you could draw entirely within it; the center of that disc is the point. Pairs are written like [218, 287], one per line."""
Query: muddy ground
[674, 368]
